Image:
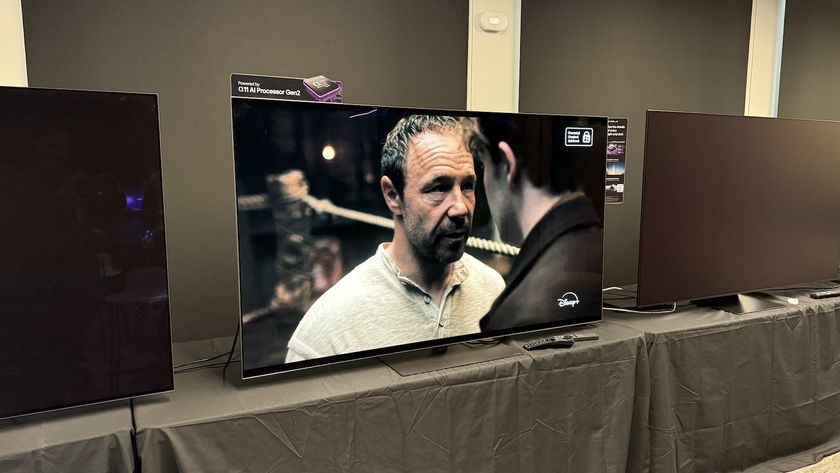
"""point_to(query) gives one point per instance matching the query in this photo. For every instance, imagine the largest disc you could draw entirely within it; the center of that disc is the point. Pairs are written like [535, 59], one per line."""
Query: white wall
[765, 60]
[12, 55]
[493, 57]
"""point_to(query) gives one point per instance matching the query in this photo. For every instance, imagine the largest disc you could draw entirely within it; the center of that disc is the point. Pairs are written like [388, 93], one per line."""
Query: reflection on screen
[85, 315]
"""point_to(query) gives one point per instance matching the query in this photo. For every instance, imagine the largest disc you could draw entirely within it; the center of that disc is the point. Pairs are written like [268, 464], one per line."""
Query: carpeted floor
[827, 465]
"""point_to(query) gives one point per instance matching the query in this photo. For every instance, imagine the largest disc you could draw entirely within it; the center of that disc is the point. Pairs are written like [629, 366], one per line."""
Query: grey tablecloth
[695, 391]
[87, 439]
[731, 392]
[569, 410]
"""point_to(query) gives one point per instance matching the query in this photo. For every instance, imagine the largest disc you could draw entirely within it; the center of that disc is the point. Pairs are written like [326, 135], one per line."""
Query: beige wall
[765, 59]
[12, 55]
[493, 57]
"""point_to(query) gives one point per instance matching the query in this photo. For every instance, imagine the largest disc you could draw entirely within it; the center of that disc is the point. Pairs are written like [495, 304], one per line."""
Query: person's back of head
[537, 143]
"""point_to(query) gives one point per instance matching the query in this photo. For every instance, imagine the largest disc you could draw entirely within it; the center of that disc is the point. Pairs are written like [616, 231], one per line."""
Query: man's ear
[510, 159]
[392, 197]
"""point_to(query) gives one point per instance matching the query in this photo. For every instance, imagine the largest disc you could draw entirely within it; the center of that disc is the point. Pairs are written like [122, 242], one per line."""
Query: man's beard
[430, 246]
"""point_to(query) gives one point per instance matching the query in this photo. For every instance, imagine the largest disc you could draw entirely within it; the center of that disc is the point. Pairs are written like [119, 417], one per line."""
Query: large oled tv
[733, 205]
[84, 313]
[368, 230]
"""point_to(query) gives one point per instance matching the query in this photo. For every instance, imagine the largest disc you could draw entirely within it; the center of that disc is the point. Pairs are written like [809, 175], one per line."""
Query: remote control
[580, 337]
[827, 293]
[560, 341]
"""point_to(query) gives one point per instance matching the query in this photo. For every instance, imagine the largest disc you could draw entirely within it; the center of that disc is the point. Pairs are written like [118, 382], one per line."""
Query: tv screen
[368, 230]
[732, 204]
[85, 314]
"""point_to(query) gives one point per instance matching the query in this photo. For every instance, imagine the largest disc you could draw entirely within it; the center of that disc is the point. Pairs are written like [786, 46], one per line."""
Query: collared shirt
[376, 306]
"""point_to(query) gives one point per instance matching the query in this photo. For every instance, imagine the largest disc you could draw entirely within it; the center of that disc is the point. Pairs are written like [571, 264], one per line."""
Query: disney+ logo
[569, 299]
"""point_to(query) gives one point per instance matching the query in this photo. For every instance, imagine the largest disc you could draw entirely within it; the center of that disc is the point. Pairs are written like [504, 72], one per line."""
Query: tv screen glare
[734, 204]
[323, 272]
[85, 313]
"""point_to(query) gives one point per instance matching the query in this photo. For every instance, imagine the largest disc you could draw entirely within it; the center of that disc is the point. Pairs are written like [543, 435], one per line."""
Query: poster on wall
[313, 89]
[616, 153]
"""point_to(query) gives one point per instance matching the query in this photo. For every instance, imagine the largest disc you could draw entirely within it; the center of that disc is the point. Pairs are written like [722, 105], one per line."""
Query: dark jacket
[558, 273]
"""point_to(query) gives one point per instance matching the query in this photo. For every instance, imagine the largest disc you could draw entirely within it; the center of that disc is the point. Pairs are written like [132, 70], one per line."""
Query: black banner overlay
[314, 89]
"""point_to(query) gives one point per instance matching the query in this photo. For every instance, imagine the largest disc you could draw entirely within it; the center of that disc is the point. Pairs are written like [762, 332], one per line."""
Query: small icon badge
[577, 136]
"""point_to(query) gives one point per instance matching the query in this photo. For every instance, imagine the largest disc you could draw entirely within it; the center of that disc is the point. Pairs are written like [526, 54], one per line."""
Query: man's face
[439, 196]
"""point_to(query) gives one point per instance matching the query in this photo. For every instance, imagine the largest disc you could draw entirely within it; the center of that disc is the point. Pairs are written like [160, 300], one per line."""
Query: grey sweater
[374, 306]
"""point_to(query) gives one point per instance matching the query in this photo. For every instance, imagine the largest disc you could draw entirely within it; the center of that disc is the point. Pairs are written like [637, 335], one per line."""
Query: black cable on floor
[138, 468]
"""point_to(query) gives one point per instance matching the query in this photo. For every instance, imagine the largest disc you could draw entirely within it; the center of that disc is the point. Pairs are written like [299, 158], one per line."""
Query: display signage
[616, 154]
[314, 89]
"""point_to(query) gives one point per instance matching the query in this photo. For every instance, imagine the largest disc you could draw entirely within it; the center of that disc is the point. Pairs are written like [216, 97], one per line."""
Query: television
[83, 286]
[323, 274]
[733, 205]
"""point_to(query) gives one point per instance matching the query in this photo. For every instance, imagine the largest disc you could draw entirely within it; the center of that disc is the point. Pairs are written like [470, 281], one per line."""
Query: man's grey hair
[396, 143]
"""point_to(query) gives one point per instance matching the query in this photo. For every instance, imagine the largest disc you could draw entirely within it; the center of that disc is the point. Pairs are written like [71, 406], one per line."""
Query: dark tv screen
[733, 204]
[322, 274]
[85, 313]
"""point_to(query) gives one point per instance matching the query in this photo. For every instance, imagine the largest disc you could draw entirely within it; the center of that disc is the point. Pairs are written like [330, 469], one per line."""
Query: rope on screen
[247, 203]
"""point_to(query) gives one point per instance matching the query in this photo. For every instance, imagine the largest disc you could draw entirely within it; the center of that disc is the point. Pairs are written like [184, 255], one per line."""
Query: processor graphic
[324, 89]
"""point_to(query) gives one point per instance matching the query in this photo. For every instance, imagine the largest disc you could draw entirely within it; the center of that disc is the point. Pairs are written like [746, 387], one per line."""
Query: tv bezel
[282, 368]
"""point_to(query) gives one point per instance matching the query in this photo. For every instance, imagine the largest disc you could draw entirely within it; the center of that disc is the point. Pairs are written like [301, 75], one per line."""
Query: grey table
[758, 391]
[85, 439]
[573, 410]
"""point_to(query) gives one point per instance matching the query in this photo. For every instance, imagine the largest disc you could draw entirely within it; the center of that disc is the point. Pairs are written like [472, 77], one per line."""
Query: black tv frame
[170, 386]
[734, 298]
